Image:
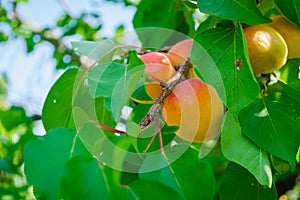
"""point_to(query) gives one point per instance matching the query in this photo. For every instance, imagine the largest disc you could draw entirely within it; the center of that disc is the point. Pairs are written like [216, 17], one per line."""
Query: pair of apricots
[193, 105]
[270, 45]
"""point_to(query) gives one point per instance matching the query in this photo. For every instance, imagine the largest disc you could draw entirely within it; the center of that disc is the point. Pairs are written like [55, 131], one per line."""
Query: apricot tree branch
[156, 108]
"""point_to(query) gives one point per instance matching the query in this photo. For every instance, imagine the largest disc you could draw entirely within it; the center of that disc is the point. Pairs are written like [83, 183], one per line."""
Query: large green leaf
[57, 108]
[239, 149]
[189, 177]
[244, 11]
[45, 158]
[238, 184]
[83, 179]
[221, 58]
[167, 14]
[273, 122]
[150, 189]
[290, 9]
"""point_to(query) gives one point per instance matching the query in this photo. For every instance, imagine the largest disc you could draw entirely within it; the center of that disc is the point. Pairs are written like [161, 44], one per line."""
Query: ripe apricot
[154, 89]
[180, 51]
[158, 66]
[290, 33]
[196, 108]
[267, 49]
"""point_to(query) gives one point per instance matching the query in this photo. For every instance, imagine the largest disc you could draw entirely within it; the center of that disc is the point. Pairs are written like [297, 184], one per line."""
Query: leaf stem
[108, 128]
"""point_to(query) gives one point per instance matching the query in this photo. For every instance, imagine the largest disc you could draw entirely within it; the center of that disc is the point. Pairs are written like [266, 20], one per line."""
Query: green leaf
[111, 150]
[102, 78]
[139, 112]
[290, 9]
[297, 8]
[13, 117]
[99, 51]
[82, 179]
[154, 13]
[113, 180]
[92, 137]
[224, 64]
[239, 149]
[273, 122]
[124, 88]
[238, 184]
[189, 177]
[149, 190]
[243, 11]
[45, 158]
[268, 8]
[210, 22]
[289, 74]
[116, 82]
[59, 99]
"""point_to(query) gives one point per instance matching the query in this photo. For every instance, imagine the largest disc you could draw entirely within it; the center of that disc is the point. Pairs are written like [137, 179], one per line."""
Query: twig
[150, 143]
[167, 89]
[36, 117]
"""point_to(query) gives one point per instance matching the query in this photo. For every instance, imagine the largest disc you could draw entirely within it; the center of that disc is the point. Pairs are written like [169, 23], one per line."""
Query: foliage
[15, 131]
[86, 155]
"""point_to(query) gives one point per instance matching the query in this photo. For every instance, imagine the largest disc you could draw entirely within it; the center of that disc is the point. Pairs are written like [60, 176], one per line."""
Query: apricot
[290, 33]
[158, 66]
[153, 89]
[267, 49]
[180, 51]
[196, 108]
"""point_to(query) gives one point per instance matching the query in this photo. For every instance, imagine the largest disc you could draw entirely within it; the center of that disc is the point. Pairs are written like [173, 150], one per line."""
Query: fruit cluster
[270, 45]
[193, 105]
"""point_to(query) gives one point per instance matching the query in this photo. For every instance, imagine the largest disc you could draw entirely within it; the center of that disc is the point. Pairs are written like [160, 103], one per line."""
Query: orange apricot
[196, 108]
[290, 33]
[158, 66]
[180, 51]
[154, 89]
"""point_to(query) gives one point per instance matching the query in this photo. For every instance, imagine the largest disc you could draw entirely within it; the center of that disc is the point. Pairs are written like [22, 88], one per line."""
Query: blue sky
[30, 76]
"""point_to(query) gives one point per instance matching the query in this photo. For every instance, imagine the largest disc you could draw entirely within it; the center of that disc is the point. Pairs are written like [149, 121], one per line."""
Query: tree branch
[167, 89]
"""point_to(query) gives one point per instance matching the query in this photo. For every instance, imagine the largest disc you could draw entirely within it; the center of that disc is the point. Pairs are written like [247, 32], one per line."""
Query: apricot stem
[156, 108]
[150, 143]
[157, 131]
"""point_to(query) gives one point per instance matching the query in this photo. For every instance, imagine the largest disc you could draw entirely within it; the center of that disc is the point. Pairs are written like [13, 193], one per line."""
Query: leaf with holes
[220, 55]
